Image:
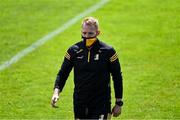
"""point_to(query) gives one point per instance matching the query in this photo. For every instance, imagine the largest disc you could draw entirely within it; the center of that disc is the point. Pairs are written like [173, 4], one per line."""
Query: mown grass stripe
[52, 34]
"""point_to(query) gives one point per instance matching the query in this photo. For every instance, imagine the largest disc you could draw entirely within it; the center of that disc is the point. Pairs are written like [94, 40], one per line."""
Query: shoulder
[111, 53]
[106, 47]
[76, 47]
[72, 50]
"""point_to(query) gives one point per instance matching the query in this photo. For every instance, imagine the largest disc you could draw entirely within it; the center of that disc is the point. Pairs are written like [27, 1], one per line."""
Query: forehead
[86, 27]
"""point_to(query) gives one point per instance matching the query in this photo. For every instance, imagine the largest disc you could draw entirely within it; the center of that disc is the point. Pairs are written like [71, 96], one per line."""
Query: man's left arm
[116, 73]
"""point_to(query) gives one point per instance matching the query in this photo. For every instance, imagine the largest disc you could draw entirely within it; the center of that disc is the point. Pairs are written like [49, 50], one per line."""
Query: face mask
[89, 41]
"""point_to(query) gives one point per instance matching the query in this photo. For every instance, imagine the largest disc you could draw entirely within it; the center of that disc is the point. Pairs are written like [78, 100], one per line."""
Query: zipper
[89, 54]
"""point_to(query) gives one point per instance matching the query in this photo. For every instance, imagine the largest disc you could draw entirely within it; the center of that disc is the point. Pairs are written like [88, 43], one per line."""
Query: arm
[63, 74]
[62, 77]
[116, 73]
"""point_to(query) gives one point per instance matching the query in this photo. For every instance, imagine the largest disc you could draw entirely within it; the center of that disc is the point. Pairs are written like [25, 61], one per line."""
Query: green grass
[25, 21]
[145, 33]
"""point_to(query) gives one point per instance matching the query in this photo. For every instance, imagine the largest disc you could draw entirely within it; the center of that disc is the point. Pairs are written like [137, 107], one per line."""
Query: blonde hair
[91, 21]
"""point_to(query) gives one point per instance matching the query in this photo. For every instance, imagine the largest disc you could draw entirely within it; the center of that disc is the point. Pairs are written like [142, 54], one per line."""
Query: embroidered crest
[96, 57]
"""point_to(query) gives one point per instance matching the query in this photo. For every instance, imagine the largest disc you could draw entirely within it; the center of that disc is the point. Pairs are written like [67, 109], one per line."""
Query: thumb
[56, 99]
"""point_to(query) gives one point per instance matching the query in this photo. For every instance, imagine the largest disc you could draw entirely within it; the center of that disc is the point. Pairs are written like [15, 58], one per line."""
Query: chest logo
[80, 57]
[96, 57]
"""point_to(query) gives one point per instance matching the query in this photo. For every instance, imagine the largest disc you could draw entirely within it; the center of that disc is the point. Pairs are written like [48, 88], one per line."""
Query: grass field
[145, 33]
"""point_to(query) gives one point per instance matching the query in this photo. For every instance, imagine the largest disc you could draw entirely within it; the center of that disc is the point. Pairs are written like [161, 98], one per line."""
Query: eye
[84, 33]
[90, 33]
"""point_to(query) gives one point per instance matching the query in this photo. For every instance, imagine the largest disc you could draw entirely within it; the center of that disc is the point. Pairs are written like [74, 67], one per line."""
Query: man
[94, 62]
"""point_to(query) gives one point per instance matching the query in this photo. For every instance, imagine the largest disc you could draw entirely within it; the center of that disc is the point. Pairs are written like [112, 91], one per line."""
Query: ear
[98, 33]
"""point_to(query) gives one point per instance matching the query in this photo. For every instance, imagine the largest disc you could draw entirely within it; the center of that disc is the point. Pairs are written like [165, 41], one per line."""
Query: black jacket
[92, 69]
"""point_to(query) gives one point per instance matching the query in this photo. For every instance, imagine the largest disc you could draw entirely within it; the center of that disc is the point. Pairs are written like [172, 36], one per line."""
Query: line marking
[52, 34]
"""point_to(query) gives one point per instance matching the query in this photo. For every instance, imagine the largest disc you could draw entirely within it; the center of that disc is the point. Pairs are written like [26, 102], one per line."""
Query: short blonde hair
[91, 21]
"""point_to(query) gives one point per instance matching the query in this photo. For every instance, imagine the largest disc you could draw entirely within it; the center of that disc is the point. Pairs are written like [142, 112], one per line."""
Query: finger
[53, 102]
[117, 110]
[116, 114]
[55, 99]
[113, 113]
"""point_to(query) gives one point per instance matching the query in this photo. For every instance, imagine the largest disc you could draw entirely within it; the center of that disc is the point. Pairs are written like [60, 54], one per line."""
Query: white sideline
[52, 34]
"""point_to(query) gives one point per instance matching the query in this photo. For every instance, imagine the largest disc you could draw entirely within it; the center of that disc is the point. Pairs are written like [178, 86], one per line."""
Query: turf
[145, 33]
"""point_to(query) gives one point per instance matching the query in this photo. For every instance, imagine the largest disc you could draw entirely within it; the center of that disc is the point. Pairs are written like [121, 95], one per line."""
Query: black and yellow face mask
[89, 41]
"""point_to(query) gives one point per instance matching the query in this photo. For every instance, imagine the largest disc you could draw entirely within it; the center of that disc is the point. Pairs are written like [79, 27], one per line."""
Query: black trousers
[88, 112]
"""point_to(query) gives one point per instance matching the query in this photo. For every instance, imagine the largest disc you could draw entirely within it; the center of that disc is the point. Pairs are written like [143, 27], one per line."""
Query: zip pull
[89, 55]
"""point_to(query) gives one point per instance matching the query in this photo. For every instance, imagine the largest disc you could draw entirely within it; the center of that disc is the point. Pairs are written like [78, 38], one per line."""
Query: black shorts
[88, 112]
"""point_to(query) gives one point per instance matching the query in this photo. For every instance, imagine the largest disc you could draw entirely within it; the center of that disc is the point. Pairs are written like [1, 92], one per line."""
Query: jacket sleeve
[116, 73]
[64, 71]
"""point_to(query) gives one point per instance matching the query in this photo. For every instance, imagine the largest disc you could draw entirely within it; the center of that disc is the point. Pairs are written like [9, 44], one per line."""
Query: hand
[55, 98]
[116, 111]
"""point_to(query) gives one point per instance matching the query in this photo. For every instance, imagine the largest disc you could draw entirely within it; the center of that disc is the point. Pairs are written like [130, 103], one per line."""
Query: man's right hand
[55, 97]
